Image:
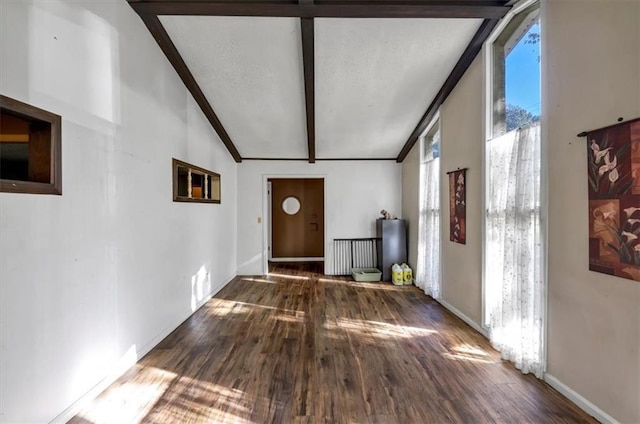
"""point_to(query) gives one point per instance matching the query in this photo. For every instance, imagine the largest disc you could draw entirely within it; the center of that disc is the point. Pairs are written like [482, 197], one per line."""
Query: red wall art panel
[614, 200]
[458, 206]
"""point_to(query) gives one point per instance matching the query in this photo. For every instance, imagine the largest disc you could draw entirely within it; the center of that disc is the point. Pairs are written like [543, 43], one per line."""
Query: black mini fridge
[391, 244]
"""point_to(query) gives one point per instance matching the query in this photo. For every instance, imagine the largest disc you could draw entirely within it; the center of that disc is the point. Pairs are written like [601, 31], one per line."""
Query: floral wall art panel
[614, 200]
[457, 206]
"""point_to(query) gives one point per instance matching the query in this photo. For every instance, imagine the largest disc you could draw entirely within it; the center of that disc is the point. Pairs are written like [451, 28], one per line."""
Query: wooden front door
[297, 218]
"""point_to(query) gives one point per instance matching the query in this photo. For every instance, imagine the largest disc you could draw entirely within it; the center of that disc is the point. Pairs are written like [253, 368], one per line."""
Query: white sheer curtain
[428, 267]
[514, 290]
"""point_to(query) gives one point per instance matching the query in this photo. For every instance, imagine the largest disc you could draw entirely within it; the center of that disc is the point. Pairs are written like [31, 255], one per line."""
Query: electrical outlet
[259, 220]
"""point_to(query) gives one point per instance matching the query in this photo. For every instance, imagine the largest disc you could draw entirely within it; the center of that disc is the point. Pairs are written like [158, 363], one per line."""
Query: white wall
[355, 192]
[461, 129]
[104, 271]
[411, 201]
[592, 76]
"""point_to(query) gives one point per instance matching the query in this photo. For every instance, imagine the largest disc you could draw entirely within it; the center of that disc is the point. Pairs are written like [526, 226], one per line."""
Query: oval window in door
[291, 205]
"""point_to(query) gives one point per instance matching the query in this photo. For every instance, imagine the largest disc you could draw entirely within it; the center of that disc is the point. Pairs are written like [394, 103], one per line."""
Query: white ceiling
[374, 79]
[250, 70]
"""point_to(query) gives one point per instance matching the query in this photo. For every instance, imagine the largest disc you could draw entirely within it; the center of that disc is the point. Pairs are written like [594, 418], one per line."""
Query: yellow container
[407, 274]
[397, 277]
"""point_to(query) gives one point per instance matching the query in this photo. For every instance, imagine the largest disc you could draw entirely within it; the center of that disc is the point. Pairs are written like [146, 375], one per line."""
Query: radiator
[353, 253]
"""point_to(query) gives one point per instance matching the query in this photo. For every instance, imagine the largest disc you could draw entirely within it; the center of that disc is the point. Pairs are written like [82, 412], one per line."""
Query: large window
[30, 157]
[428, 267]
[513, 280]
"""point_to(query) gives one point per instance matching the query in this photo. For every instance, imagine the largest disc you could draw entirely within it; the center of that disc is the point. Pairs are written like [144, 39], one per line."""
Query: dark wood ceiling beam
[164, 41]
[482, 9]
[308, 59]
[456, 74]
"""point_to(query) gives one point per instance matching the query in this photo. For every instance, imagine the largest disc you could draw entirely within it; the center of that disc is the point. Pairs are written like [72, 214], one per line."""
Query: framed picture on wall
[613, 172]
[458, 206]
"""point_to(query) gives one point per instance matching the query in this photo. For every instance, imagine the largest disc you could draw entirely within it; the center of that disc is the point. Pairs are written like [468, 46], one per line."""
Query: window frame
[32, 113]
[175, 164]
[495, 97]
[426, 141]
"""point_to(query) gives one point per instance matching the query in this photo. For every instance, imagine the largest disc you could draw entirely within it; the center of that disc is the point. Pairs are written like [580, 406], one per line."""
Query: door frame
[266, 213]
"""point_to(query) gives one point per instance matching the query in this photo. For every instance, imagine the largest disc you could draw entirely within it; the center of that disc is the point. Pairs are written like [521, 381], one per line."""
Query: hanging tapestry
[457, 206]
[614, 200]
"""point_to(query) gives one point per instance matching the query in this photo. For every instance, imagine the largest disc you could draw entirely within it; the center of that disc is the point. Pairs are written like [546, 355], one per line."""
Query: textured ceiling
[374, 79]
[250, 69]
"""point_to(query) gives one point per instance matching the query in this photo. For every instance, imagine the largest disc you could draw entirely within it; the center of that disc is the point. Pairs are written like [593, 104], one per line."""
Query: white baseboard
[580, 400]
[565, 390]
[463, 317]
[127, 361]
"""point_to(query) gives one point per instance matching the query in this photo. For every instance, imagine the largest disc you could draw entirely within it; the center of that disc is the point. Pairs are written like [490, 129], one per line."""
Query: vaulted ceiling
[323, 80]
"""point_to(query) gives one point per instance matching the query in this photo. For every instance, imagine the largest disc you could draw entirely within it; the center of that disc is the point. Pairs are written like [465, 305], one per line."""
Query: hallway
[300, 347]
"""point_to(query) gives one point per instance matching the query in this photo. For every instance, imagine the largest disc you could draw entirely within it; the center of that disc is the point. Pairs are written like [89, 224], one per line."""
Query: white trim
[487, 60]
[126, 362]
[517, 8]
[268, 223]
[434, 119]
[580, 400]
[297, 259]
[544, 187]
[463, 317]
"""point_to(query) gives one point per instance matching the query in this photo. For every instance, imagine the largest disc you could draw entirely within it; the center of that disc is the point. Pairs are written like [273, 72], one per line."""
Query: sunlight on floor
[222, 308]
[259, 280]
[130, 401]
[378, 286]
[465, 352]
[374, 285]
[298, 319]
[157, 395]
[470, 350]
[288, 277]
[331, 280]
[468, 358]
[90, 362]
[375, 329]
[191, 399]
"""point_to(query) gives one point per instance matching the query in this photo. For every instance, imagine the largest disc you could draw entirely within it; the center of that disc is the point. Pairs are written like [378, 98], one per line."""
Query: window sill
[191, 200]
[29, 187]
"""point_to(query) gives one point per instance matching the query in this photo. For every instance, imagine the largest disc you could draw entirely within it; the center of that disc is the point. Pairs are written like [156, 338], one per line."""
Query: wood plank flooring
[300, 347]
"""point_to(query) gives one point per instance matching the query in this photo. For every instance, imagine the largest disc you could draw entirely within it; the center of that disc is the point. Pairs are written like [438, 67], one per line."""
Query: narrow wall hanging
[458, 206]
[614, 199]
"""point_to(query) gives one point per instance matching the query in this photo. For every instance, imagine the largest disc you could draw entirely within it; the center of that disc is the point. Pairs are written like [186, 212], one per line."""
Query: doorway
[296, 219]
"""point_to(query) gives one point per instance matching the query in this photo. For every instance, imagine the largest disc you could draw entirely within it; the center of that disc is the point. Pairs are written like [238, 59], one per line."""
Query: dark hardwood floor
[314, 267]
[300, 347]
